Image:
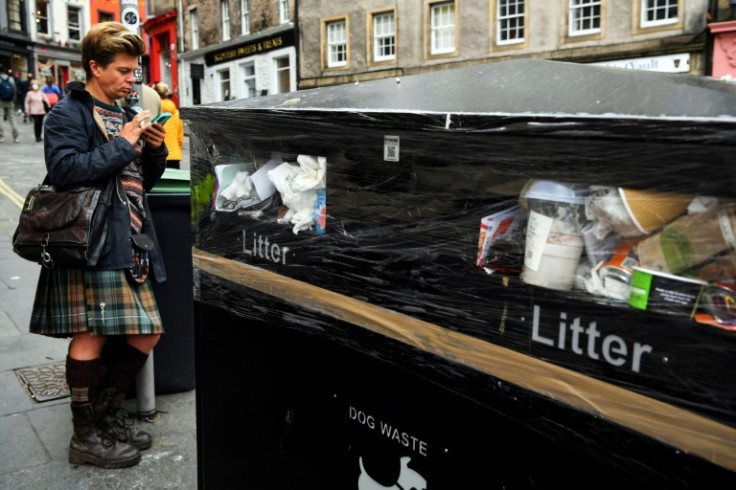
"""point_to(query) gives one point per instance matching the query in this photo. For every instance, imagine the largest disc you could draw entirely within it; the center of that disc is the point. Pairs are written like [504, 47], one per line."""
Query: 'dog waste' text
[388, 430]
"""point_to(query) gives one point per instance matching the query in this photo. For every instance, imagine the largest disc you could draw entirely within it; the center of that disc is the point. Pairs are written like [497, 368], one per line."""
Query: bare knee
[85, 347]
[144, 342]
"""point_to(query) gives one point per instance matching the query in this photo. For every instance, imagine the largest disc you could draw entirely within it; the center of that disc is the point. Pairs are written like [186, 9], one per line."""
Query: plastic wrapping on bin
[579, 163]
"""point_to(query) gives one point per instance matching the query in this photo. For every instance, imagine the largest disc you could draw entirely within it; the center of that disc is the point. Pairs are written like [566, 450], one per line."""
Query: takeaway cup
[554, 243]
[650, 210]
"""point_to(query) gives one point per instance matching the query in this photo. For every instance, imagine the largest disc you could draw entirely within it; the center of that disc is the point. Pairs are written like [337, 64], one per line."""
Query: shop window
[42, 17]
[224, 76]
[335, 32]
[659, 12]
[284, 11]
[442, 28]
[248, 71]
[584, 17]
[384, 36]
[225, 10]
[510, 21]
[283, 74]
[74, 23]
[194, 19]
[244, 17]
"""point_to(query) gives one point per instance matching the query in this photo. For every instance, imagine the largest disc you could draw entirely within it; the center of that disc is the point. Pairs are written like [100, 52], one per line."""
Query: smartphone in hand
[162, 118]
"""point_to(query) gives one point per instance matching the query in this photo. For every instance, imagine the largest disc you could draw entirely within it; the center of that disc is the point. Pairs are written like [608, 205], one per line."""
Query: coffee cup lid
[550, 190]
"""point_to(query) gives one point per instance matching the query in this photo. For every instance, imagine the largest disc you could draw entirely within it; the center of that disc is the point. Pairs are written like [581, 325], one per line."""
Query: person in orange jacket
[174, 126]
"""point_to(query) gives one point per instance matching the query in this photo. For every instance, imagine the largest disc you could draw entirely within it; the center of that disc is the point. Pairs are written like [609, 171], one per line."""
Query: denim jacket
[78, 153]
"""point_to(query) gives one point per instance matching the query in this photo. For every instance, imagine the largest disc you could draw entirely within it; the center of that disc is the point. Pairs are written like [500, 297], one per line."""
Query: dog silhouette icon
[408, 478]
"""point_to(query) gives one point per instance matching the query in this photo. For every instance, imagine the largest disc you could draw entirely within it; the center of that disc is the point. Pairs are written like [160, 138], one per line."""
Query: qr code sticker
[391, 148]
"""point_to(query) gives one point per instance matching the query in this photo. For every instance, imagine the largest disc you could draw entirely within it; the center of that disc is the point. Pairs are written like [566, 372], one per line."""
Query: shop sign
[672, 63]
[58, 54]
[250, 48]
[10, 44]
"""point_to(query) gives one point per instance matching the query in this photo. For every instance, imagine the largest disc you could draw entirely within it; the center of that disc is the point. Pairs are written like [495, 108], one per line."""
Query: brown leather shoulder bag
[63, 228]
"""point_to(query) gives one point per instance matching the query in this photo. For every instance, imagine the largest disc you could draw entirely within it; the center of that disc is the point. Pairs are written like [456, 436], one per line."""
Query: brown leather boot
[112, 417]
[91, 444]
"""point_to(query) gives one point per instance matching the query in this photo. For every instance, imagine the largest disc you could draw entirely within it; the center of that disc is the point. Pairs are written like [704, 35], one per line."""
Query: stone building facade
[342, 41]
[236, 49]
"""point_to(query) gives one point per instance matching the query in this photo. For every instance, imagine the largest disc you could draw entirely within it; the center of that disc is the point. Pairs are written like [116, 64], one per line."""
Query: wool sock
[82, 378]
[128, 364]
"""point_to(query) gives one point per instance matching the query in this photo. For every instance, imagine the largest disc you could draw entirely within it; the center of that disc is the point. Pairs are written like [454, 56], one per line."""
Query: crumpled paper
[298, 185]
[239, 189]
[606, 209]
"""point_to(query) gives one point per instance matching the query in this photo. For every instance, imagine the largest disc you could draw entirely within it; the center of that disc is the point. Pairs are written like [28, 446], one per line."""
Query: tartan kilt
[102, 302]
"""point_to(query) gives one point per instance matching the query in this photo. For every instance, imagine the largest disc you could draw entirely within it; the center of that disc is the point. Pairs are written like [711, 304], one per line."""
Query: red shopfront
[724, 48]
[163, 65]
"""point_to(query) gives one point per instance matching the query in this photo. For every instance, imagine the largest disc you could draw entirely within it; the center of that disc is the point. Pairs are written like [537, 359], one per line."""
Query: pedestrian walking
[7, 103]
[52, 91]
[23, 88]
[174, 126]
[35, 108]
[88, 140]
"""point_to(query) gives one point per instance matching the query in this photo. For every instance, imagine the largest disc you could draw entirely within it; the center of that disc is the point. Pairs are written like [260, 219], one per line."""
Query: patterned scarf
[131, 176]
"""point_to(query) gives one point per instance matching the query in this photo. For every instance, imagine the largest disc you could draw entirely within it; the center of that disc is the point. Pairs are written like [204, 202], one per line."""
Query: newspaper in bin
[506, 226]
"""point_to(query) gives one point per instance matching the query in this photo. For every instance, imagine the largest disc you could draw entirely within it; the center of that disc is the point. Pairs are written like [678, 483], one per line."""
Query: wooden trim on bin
[689, 432]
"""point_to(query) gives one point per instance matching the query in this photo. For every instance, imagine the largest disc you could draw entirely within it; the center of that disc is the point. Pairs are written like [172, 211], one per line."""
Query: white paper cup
[550, 258]
[554, 243]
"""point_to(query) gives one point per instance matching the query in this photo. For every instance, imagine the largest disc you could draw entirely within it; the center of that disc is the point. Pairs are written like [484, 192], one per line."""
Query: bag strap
[106, 194]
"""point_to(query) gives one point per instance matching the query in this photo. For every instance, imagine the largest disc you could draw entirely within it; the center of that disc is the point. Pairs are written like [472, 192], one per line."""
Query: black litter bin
[383, 314]
[169, 202]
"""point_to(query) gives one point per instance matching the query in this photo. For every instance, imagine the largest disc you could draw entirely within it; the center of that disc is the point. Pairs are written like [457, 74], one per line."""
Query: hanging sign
[671, 63]
[129, 16]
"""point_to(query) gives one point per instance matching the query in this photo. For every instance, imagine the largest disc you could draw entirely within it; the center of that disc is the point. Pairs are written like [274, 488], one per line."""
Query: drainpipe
[180, 16]
[180, 51]
[296, 44]
[711, 17]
